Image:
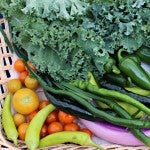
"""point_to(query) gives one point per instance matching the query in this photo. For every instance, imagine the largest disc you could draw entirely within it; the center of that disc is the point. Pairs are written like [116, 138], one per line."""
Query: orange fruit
[22, 130]
[19, 65]
[31, 83]
[31, 66]
[13, 85]
[25, 101]
[22, 76]
[19, 119]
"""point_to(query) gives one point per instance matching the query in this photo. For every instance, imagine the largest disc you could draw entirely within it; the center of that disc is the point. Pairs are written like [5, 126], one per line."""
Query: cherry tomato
[65, 117]
[19, 65]
[71, 127]
[31, 65]
[54, 127]
[43, 131]
[86, 130]
[14, 85]
[22, 76]
[53, 116]
[43, 103]
[31, 115]
[31, 83]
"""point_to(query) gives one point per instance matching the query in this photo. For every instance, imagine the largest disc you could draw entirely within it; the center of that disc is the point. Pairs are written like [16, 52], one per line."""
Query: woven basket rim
[4, 142]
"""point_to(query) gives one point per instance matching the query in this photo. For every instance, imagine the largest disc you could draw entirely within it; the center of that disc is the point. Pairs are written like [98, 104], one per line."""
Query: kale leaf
[69, 38]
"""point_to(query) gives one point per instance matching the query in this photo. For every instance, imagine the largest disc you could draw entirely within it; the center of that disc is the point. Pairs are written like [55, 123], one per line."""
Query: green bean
[76, 137]
[99, 113]
[112, 94]
[115, 106]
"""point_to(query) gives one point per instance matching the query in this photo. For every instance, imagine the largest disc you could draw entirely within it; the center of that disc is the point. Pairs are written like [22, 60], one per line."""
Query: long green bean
[90, 108]
[113, 94]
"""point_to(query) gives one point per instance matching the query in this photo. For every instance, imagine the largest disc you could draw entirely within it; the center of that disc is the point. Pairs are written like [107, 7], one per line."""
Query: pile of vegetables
[88, 56]
[29, 117]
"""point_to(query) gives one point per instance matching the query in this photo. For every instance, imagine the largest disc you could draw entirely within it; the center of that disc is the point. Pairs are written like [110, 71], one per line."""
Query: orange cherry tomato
[43, 103]
[71, 127]
[86, 130]
[22, 130]
[19, 65]
[65, 117]
[22, 76]
[54, 127]
[43, 131]
[31, 115]
[53, 116]
[31, 65]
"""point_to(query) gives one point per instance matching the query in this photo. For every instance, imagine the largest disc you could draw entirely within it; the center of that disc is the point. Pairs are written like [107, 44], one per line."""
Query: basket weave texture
[6, 73]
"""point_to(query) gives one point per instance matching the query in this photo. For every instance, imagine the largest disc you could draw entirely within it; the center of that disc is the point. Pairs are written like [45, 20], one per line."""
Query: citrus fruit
[13, 85]
[19, 119]
[25, 101]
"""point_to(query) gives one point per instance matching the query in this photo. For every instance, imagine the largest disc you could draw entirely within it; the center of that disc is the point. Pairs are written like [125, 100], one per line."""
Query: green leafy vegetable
[53, 9]
[69, 38]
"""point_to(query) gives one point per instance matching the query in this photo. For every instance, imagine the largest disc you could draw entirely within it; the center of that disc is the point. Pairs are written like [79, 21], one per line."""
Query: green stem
[119, 54]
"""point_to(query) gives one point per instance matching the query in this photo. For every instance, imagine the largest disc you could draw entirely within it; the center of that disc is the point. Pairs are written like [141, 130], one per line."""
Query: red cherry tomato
[86, 130]
[55, 127]
[43, 132]
[71, 127]
[65, 117]
[43, 103]
[53, 116]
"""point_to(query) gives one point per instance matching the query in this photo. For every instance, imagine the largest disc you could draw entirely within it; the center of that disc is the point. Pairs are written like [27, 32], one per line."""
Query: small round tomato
[53, 116]
[31, 65]
[86, 130]
[65, 117]
[43, 103]
[71, 127]
[14, 85]
[31, 83]
[31, 115]
[54, 127]
[22, 76]
[22, 130]
[19, 65]
[43, 131]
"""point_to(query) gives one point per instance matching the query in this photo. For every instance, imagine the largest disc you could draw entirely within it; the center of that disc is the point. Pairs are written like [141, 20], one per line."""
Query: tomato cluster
[56, 121]
[24, 75]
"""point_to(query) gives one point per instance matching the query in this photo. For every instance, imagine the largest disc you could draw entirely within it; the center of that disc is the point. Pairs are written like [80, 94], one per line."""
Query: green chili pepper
[132, 69]
[110, 66]
[135, 58]
[144, 53]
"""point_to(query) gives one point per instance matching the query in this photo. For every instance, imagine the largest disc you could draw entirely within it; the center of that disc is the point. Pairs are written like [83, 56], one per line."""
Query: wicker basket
[6, 73]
